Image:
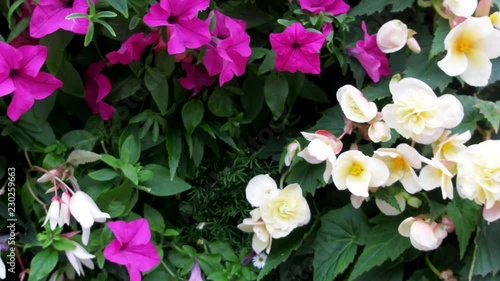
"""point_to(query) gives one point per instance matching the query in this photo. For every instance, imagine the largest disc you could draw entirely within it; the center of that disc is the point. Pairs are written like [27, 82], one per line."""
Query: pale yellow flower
[449, 146]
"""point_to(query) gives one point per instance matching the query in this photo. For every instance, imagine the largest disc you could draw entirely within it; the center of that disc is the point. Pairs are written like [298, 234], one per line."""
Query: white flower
[259, 261]
[79, 256]
[3, 270]
[424, 236]
[354, 104]
[470, 47]
[291, 151]
[86, 212]
[492, 214]
[436, 174]
[262, 239]
[418, 113]
[285, 210]
[323, 146]
[461, 8]
[52, 214]
[388, 209]
[357, 201]
[259, 188]
[449, 147]
[401, 161]
[379, 132]
[64, 213]
[495, 19]
[478, 173]
[392, 36]
[357, 172]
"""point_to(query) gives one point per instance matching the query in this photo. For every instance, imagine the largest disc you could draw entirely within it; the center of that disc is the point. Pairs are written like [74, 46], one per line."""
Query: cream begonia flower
[417, 112]
[449, 147]
[401, 161]
[285, 210]
[354, 104]
[478, 173]
[357, 201]
[470, 47]
[437, 174]
[262, 239]
[492, 214]
[357, 172]
[424, 236]
[387, 209]
[259, 189]
[392, 36]
[461, 8]
[495, 19]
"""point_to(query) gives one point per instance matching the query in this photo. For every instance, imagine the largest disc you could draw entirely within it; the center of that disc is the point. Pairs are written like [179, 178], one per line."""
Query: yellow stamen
[356, 170]
[399, 162]
[494, 18]
[463, 44]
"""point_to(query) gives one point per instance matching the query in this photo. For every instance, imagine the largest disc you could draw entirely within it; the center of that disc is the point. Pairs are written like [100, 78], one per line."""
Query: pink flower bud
[291, 151]
[392, 36]
[447, 224]
[483, 8]
[413, 45]
[492, 214]
[49, 176]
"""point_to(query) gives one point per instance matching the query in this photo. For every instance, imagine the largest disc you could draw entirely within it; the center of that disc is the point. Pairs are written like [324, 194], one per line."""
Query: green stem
[168, 269]
[431, 266]
[437, 4]
[282, 180]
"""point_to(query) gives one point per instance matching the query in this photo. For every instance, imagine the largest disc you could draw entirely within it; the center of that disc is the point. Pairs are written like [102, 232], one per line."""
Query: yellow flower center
[494, 18]
[356, 169]
[399, 162]
[354, 107]
[463, 44]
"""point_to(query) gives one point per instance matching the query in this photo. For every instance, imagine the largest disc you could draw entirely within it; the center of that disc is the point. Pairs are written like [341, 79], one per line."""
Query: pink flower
[132, 48]
[184, 29]
[424, 235]
[297, 49]
[370, 56]
[336, 7]
[196, 78]
[229, 50]
[132, 247]
[50, 15]
[97, 87]
[20, 73]
[195, 273]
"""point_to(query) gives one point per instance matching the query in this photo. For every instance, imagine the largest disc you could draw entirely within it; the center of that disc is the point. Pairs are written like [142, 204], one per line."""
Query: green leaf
[56, 43]
[120, 6]
[311, 91]
[103, 174]
[342, 231]
[117, 201]
[19, 28]
[368, 7]
[495, 71]
[490, 111]
[192, 114]
[174, 149]
[388, 195]
[76, 16]
[130, 150]
[165, 63]
[225, 249]
[436, 209]
[253, 97]
[106, 14]
[125, 88]
[331, 120]
[72, 81]
[487, 249]
[107, 26]
[111, 160]
[463, 213]
[383, 242]
[268, 64]
[248, 12]
[428, 71]
[90, 34]
[377, 91]
[42, 264]
[155, 219]
[130, 172]
[308, 176]
[209, 263]
[221, 104]
[79, 139]
[471, 114]
[12, 10]
[275, 93]
[157, 84]
[386, 272]
[63, 244]
[161, 184]
[442, 29]
[79, 157]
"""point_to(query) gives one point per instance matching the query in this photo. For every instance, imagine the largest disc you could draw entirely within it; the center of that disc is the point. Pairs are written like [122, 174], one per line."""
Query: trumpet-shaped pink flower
[297, 49]
[50, 15]
[229, 50]
[195, 273]
[132, 48]
[20, 74]
[132, 247]
[336, 7]
[370, 56]
[184, 29]
[196, 78]
[97, 87]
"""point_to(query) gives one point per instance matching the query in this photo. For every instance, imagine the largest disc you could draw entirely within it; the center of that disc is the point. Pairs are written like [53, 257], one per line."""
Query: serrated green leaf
[488, 249]
[436, 209]
[337, 241]
[428, 71]
[471, 114]
[490, 111]
[377, 91]
[387, 272]
[463, 213]
[309, 177]
[79, 139]
[388, 195]
[442, 29]
[331, 120]
[368, 7]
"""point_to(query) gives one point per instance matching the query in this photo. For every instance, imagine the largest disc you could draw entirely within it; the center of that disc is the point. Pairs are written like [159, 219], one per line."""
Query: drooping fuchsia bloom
[373, 60]
[336, 7]
[132, 48]
[50, 15]
[132, 247]
[229, 51]
[297, 49]
[196, 78]
[185, 30]
[20, 74]
[97, 87]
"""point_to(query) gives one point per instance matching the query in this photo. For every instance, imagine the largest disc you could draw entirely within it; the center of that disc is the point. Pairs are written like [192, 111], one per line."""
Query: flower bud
[354, 104]
[495, 19]
[291, 152]
[379, 132]
[413, 45]
[392, 36]
[48, 176]
[414, 202]
[483, 8]
[447, 224]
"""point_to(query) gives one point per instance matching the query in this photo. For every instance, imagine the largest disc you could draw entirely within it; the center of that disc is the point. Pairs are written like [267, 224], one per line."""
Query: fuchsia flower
[297, 49]
[132, 48]
[20, 74]
[97, 87]
[336, 7]
[50, 15]
[195, 273]
[132, 247]
[185, 30]
[196, 78]
[373, 60]
[229, 51]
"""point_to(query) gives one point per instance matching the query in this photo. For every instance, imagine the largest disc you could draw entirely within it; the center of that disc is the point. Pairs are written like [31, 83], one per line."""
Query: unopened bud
[392, 36]
[379, 132]
[447, 224]
[291, 152]
[414, 202]
[49, 176]
[413, 45]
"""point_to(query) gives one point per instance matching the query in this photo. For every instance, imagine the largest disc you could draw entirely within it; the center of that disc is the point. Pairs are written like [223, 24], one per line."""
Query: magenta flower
[97, 87]
[50, 15]
[196, 78]
[297, 49]
[132, 48]
[229, 51]
[336, 7]
[373, 60]
[132, 247]
[195, 273]
[184, 29]
[20, 74]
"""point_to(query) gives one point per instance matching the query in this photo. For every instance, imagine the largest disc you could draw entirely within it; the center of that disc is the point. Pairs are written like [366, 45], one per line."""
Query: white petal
[407, 86]
[259, 188]
[388, 209]
[422, 236]
[356, 201]
[327, 174]
[258, 245]
[492, 214]
[410, 182]
[453, 64]
[261, 232]
[85, 235]
[462, 8]
[358, 185]
[3, 270]
[489, 45]
[429, 178]
[75, 263]
[319, 150]
[451, 111]
[405, 226]
[410, 154]
[379, 172]
[79, 208]
[479, 69]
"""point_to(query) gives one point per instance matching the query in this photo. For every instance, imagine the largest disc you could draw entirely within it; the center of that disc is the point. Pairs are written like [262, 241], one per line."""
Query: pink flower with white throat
[354, 104]
[86, 212]
[424, 235]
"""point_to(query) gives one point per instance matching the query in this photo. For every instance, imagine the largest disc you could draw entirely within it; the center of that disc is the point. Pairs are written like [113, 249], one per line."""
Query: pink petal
[337, 7]
[10, 58]
[113, 253]
[185, 9]
[6, 87]
[192, 34]
[50, 15]
[212, 61]
[157, 16]
[135, 232]
[33, 59]
[105, 110]
[40, 86]
[144, 257]
[21, 102]
[195, 273]
[104, 87]
[95, 69]
[492, 214]
[134, 273]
